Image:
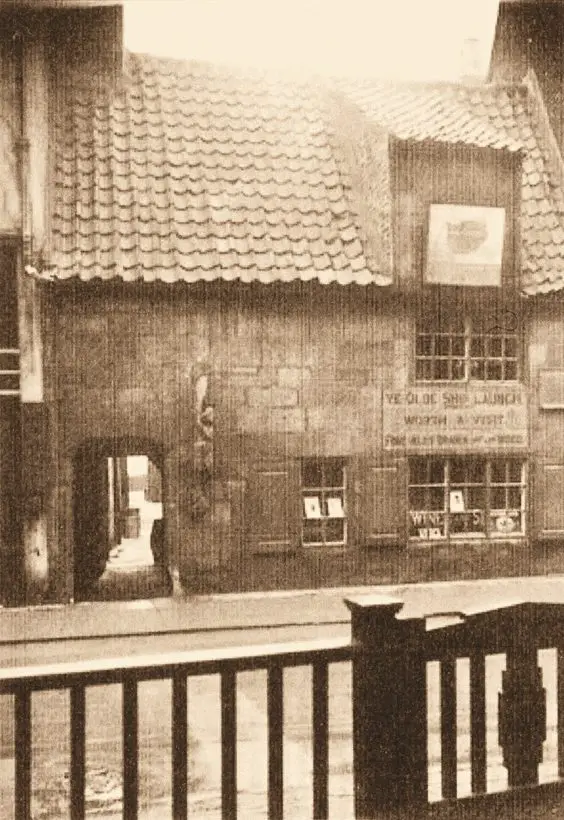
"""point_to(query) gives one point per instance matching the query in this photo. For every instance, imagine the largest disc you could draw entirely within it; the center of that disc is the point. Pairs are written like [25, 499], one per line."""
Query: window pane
[458, 346]
[506, 523]
[457, 369]
[333, 473]
[477, 369]
[494, 371]
[457, 471]
[443, 345]
[418, 470]
[477, 347]
[424, 370]
[497, 498]
[436, 471]
[511, 347]
[312, 532]
[498, 474]
[436, 498]
[442, 370]
[476, 471]
[417, 498]
[312, 473]
[510, 371]
[495, 346]
[514, 498]
[467, 471]
[334, 530]
[426, 525]
[475, 498]
[514, 468]
[467, 523]
[423, 345]
[416, 527]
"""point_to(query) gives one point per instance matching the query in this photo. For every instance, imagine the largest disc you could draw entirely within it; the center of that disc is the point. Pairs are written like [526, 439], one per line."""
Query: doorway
[119, 527]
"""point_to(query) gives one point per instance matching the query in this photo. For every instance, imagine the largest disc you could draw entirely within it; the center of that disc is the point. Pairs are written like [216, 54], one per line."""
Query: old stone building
[327, 317]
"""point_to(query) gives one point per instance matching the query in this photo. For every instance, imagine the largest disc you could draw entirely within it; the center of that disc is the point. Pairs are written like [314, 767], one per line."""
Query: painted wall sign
[456, 418]
[465, 245]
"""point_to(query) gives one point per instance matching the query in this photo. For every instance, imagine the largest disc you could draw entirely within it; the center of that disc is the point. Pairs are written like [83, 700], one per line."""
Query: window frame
[466, 359]
[448, 485]
[322, 491]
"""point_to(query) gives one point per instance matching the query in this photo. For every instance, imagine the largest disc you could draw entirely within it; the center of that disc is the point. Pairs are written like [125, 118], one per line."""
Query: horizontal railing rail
[164, 665]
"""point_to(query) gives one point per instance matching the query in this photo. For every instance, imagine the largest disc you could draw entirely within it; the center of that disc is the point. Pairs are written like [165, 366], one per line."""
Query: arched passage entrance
[118, 521]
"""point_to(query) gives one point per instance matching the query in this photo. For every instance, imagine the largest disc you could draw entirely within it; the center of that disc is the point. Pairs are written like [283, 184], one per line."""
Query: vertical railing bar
[560, 709]
[448, 728]
[275, 719]
[179, 746]
[228, 745]
[78, 751]
[320, 694]
[478, 745]
[130, 728]
[23, 755]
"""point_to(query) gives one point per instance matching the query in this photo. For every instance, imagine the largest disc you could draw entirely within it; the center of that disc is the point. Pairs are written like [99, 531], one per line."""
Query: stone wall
[293, 372]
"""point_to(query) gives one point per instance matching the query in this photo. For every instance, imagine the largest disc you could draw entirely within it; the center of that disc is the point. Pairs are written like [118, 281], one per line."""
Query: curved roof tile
[194, 172]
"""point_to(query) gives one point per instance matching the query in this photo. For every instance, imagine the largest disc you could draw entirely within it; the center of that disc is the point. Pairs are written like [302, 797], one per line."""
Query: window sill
[461, 540]
[330, 545]
[471, 382]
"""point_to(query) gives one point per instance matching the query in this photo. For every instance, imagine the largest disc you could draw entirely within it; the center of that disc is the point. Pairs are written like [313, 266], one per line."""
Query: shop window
[466, 497]
[324, 521]
[462, 348]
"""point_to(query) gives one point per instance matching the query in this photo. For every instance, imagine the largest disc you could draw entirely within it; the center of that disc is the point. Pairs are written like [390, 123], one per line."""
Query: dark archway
[115, 555]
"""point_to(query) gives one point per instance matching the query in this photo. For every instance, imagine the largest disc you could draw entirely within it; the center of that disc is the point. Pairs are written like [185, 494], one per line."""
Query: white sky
[404, 39]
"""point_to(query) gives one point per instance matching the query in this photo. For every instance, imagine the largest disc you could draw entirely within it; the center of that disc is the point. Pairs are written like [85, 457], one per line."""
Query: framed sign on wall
[465, 245]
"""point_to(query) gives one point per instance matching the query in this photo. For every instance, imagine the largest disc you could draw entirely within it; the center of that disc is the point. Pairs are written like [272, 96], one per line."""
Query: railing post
[389, 709]
[522, 704]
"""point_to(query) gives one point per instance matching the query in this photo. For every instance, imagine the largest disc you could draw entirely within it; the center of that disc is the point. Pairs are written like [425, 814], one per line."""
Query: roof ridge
[314, 79]
[431, 85]
[233, 70]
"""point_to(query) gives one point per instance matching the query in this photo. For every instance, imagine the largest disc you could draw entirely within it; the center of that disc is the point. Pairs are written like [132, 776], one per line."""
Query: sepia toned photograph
[281, 409]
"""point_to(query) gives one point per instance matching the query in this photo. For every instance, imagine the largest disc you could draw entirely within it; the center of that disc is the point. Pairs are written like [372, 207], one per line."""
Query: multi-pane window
[463, 349]
[466, 497]
[324, 521]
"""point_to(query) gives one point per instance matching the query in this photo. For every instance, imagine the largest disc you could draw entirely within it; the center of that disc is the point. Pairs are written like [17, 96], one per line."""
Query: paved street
[51, 747]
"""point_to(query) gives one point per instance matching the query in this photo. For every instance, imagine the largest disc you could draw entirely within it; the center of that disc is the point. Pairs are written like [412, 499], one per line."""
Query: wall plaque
[465, 245]
[551, 389]
[456, 418]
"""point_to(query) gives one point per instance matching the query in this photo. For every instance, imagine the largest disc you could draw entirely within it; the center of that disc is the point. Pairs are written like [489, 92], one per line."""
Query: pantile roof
[194, 172]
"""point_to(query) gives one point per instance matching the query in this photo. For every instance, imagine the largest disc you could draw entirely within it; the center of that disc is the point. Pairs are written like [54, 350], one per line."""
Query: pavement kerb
[225, 612]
